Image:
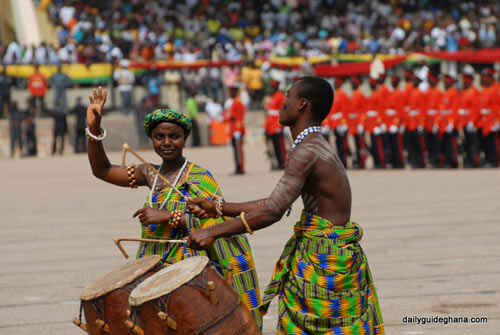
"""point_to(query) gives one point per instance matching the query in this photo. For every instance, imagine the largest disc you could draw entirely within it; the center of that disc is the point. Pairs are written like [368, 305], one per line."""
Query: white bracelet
[96, 138]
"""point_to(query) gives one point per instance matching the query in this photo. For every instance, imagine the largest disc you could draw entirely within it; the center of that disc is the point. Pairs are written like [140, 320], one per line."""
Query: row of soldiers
[419, 124]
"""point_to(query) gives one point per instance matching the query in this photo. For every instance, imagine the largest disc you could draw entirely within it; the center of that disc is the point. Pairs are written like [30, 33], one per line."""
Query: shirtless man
[322, 277]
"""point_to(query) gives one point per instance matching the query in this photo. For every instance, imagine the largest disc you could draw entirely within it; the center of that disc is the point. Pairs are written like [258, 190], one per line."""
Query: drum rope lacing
[99, 310]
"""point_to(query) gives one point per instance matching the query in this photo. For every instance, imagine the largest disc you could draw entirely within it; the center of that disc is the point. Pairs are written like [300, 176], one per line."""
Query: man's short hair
[319, 92]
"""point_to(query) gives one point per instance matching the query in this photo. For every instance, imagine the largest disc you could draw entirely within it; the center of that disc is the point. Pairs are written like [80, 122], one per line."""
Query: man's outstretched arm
[262, 213]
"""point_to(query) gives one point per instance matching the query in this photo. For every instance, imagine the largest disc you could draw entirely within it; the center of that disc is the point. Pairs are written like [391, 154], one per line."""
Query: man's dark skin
[313, 171]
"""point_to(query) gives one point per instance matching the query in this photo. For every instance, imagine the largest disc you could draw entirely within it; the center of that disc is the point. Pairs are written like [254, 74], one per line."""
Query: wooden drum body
[187, 298]
[105, 301]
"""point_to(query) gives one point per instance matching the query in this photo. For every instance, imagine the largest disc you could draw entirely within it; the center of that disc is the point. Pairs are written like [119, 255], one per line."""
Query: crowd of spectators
[139, 30]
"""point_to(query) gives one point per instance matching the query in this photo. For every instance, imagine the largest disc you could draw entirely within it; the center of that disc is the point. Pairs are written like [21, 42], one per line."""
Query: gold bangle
[132, 179]
[245, 223]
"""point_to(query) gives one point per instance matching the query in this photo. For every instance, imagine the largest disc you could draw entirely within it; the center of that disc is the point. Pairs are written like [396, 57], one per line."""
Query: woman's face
[168, 140]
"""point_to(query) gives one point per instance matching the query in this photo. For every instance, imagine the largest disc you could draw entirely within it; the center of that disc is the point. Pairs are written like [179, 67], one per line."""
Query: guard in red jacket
[337, 120]
[468, 120]
[272, 127]
[447, 123]
[235, 116]
[373, 123]
[355, 122]
[488, 123]
[431, 129]
[417, 106]
[394, 109]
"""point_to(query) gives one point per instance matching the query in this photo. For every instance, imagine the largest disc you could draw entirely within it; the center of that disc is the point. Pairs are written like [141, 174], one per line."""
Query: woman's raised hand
[94, 110]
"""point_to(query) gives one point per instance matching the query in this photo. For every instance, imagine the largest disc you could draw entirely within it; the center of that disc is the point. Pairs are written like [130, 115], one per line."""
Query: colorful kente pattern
[234, 250]
[324, 283]
[158, 116]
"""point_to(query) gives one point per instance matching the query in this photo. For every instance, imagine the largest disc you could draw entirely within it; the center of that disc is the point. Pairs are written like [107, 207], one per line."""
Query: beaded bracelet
[245, 223]
[132, 180]
[218, 207]
[176, 218]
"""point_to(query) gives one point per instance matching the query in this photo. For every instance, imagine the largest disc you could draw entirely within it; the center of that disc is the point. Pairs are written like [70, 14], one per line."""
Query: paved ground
[431, 238]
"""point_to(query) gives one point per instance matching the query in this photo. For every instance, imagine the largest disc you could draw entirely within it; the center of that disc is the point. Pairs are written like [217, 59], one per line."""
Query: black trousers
[471, 148]
[396, 149]
[277, 141]
[80, 144]
[31, 141]
[433, 148]
[195, 132]
[239, 161]
[360, 143]
[16, 139]
[342, 147]
[377, 150]
[449, 149]
[58, 137]
[415, 149]
[491, 150]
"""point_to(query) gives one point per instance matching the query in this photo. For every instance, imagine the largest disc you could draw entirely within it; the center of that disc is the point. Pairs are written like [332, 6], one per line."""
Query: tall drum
[105, 301]
[190, 297]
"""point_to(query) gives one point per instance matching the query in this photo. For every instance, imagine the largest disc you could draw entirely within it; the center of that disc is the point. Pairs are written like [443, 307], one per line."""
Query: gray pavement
[432, 238]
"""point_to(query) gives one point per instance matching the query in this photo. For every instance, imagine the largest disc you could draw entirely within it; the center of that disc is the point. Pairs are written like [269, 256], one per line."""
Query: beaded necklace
[303, 134]
[170, 191]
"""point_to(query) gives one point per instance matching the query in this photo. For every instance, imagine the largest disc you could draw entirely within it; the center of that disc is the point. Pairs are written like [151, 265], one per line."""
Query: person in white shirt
[125, 79]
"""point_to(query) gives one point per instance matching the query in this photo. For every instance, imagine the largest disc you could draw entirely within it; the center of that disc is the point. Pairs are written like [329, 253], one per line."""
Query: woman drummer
[164, 215]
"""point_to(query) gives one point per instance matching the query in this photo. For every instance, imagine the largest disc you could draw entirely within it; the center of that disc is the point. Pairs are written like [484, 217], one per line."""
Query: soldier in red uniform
[235, 116]
[373, 123]
[489, 124]
[272, 127]
[337, 120]
[447, 123]
[417, 106]
[355, 122]
[393, 115]
[435, 95]
[468, 120]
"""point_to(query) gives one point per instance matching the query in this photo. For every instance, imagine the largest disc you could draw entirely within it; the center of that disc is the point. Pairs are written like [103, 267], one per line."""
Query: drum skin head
[167, 280]
[119, 277]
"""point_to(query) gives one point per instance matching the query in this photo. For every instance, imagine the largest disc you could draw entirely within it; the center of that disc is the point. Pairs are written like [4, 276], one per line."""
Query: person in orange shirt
[447, 123]
[489, 118]
[337, 120]
[468, 120]
[37, 85]
[355, 121]
[392, 120]
[435, 95]
[272, 127]
[373, 123]
[417, 105]
[235, 116]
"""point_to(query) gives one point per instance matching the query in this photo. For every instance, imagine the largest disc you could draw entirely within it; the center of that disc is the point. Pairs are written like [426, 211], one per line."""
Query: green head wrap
[166, 115]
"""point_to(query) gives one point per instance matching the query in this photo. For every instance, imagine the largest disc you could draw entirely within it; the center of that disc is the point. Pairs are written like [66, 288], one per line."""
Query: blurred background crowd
[201, 56]
[140, 30]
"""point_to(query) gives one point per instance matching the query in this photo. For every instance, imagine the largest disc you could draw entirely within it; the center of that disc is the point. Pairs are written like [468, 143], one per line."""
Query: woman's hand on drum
[149, 216]
[202, 208]
[94, 110]
[200, 239]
